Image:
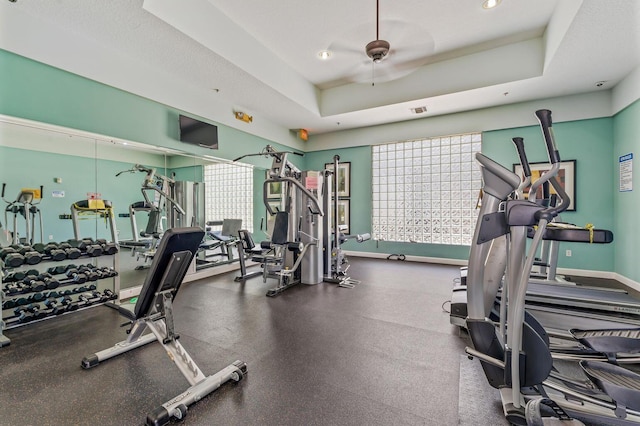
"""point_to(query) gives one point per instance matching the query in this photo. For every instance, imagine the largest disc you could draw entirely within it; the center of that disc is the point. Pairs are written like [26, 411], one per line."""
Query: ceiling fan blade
[341, 47]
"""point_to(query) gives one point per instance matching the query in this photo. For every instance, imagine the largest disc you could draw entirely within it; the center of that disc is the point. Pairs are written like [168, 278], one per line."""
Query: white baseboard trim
[628, 282]
[463, 262]
[586, 273]
[409, 257]
[214, 270]
[128, 293]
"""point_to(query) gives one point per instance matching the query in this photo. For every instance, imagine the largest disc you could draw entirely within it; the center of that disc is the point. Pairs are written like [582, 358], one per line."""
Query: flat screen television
[197, 132]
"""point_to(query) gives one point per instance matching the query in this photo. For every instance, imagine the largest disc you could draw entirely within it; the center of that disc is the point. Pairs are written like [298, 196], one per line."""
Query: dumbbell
[33, 283]
[57, 270]
[49, 281]
[15, 276]
[80, 289]
[70, 252]
[110, 294]
[13, 288]
[107, 248]
[93, 250]
[31, 257]
[89, 273]
[9, 304]
[56, 306]
[30, 312]
[36, 297]
[82, 244]
[51, 250]
[11, 257]
[76, 276]
[101, 296]
[108, 271]
[72, 306]
[79, 244]
[67, 303]
[21, 301]
[51, 294]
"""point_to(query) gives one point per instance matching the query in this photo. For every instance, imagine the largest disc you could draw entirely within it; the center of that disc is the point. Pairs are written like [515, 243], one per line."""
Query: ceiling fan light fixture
[490, 4]
[324, 54]
[377, 50]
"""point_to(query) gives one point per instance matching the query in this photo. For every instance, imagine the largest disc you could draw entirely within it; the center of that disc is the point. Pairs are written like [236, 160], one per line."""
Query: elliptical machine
[515, 357]
[24, 205]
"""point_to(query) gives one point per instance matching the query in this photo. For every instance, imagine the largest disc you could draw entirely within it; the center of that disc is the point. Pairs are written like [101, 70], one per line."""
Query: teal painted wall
[590, 143]
[50, 95]
[46, 94]
[80, 176]
[626, 131]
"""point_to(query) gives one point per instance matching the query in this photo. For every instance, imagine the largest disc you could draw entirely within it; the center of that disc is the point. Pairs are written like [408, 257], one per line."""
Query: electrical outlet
[50, 237]
[568, 253]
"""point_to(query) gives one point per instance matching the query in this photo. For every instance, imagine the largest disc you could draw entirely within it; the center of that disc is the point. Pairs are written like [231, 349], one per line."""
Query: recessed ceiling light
[324, 55]
[490, 4]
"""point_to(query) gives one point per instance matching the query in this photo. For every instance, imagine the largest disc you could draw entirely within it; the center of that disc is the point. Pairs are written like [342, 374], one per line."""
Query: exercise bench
[154, 311]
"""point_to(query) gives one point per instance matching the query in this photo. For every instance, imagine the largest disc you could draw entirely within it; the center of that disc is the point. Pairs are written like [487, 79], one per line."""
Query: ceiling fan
[412, 47]
[377, 49]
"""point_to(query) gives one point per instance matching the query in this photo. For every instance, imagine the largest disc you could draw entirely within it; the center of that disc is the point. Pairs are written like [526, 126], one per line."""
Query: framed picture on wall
[343, 176]
[274, 189]
[344, 216]
[566, 176]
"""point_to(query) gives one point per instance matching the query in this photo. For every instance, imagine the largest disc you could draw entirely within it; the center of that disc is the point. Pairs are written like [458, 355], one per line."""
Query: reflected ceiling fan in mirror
[412, 46]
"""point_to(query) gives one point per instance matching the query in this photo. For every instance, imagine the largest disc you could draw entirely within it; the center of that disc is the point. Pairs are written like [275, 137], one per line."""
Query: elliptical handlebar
[546, 125]
[519, 143]
[544, 117]
[526, 167]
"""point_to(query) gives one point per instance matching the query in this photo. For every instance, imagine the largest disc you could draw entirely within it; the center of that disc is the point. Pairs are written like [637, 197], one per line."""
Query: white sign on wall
[626, 172]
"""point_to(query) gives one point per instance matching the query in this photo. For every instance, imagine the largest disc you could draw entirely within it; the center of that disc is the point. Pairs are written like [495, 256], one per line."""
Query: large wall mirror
[96, 172]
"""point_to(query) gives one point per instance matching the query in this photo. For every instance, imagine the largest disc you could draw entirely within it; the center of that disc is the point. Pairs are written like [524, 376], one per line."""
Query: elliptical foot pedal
[534, 414]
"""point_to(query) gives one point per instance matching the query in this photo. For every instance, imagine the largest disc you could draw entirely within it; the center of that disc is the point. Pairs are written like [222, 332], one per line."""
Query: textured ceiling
[261, 57]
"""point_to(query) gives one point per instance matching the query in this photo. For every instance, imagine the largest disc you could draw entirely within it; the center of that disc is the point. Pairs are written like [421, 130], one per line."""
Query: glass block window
[426, 190]
[229, 193]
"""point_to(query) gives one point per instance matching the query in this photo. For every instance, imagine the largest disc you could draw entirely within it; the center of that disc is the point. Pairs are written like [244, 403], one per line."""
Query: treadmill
[558, 307]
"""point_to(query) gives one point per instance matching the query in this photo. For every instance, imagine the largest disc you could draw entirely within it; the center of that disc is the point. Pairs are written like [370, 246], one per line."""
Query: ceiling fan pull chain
[373, 76]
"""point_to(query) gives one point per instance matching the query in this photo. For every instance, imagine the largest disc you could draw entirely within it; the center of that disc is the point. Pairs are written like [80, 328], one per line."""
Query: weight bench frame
[154, 311]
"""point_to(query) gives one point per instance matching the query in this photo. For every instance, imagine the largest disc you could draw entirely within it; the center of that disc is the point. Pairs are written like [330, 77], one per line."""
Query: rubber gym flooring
[382, 353]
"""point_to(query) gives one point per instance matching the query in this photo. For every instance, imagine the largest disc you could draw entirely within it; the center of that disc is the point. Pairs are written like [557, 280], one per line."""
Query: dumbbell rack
[76, 294]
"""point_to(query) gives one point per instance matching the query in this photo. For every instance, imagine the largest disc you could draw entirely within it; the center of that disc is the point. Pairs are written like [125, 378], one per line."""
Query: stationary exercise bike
[24, 205]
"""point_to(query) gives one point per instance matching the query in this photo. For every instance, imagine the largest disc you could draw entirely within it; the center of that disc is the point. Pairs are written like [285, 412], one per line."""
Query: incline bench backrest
[174, 240]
